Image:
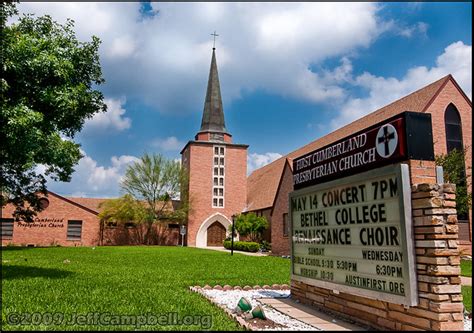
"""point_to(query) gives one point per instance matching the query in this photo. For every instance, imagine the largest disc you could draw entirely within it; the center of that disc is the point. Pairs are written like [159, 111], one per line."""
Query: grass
[467, 297]
[124, 281]
[466, 268]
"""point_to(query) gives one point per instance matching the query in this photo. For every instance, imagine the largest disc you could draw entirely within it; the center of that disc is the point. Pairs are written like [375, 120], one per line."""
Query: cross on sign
[387, 140]
[215, 35]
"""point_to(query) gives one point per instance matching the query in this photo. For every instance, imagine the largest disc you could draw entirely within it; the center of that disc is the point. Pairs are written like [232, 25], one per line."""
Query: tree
[157, 181]
[47, 92]
[251, 225]
[454, 171]
[123, 210]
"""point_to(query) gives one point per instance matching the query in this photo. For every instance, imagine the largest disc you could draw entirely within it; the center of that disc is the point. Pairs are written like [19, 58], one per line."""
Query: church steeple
[213, 114]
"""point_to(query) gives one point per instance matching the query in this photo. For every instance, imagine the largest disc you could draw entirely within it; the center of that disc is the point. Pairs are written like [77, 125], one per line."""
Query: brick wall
[280, 243]
[440, 304]
[47, 233]
[450, 94]
[200, 159]
[122, 235]
[49, 228]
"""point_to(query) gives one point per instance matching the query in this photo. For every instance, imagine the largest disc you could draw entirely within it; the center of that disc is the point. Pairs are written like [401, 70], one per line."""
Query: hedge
[243, 246]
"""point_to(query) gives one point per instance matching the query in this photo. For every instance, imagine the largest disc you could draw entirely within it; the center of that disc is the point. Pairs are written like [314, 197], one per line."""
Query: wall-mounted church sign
[354, 235]
[405, 136]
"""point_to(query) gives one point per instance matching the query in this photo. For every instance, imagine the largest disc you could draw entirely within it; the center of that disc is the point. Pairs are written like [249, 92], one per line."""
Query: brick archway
[201, 236]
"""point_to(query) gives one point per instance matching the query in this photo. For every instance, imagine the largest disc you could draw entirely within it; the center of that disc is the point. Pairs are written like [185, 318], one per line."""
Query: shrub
[251, 225]
[266, 246]
[243, 246]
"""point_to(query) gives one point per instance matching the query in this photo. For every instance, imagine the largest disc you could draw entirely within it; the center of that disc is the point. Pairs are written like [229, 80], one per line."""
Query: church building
[219, 187]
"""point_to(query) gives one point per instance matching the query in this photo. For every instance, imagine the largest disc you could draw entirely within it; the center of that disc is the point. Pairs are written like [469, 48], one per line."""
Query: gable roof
[92, 205]
[262, 184]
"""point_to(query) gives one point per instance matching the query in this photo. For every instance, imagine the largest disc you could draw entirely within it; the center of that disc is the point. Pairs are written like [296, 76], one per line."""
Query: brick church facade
[219, 187]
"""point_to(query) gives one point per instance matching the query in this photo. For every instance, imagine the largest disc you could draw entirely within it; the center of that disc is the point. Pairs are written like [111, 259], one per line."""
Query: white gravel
[231, 298]
[467, 324]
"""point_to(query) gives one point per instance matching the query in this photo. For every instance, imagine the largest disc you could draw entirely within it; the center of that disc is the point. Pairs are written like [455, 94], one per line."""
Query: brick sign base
[440, 304]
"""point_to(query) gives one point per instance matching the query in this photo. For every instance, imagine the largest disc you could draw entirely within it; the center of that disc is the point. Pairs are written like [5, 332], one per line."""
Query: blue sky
[289, 72]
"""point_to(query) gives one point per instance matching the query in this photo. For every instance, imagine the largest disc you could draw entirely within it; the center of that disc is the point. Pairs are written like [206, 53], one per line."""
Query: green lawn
[466, 267]
[124, 281]
[467, 297]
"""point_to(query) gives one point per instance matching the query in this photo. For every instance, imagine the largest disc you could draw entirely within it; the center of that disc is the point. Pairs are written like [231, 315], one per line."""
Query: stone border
[241, 321]
[246, 287]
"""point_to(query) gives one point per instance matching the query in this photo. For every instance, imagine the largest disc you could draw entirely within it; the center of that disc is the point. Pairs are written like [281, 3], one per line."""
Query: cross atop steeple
[215, 35]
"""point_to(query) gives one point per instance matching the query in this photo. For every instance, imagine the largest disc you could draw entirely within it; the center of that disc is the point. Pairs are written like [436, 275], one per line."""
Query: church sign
[406, 136]
[354, 234]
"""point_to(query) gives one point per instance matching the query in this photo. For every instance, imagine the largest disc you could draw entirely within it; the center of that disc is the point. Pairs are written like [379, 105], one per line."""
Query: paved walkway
[309, 315]
[466, 281]
[223, 249]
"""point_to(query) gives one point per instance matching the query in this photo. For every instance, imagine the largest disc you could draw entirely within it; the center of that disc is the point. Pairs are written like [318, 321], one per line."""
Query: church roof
[213, 114]
[262, 184]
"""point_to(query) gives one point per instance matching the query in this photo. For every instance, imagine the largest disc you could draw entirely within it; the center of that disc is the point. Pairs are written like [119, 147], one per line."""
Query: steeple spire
[213, 114]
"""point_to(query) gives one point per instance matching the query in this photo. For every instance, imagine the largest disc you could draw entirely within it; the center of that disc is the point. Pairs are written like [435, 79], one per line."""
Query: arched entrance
[213, 230]
[216, 234]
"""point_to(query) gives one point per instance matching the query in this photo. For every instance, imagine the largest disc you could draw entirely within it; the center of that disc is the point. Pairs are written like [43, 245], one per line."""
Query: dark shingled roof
[213, 115]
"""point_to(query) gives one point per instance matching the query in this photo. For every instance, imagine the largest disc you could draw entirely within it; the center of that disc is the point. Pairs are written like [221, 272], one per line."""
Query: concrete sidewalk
[309, 315]
[223, 249]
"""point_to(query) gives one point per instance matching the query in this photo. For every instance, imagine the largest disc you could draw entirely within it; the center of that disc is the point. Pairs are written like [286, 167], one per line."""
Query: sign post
[182, 231]
[232, 236]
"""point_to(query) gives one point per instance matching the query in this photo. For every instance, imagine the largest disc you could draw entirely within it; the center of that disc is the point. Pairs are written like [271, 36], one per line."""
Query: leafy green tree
[454, 171]
[251, 225]
[123, 210]
[157, 181]
[47, 92]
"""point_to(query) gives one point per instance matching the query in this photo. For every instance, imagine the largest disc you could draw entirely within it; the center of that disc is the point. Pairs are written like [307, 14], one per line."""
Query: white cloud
[256, 161]
[164, 60]
[113, 119]
[420, 28]
[93, 180]
[455, 60]
[168, 144]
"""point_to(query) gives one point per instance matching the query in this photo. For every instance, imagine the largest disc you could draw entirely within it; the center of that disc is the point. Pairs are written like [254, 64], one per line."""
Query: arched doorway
[201, 235]
[216, 234]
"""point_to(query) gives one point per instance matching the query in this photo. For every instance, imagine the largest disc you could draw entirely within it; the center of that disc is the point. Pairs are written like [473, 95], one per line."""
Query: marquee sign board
[354, 235]
[405, 136]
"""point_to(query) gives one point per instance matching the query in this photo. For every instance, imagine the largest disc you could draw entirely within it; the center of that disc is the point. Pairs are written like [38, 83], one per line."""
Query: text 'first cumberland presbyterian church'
[217, 172]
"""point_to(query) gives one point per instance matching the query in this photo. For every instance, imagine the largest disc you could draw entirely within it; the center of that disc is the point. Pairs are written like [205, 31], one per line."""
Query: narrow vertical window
[218, 185]
[285, 225]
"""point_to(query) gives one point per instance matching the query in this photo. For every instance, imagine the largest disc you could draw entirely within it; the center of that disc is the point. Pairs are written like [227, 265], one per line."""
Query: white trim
[201, 236]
